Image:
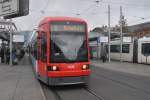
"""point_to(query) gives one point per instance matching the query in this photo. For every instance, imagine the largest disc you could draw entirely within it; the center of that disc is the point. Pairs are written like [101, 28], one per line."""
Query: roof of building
[140, 27]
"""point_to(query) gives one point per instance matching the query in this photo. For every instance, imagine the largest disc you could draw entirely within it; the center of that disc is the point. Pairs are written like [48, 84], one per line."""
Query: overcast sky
[135, 11]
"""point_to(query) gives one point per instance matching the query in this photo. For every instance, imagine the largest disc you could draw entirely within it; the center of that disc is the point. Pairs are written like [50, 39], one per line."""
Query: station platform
[126, 67]
[18, 82]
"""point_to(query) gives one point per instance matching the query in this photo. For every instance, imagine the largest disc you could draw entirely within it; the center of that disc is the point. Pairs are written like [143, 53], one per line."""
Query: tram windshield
[68, 43]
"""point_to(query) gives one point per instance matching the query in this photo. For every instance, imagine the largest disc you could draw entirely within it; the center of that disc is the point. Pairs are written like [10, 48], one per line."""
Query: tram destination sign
[14, 8]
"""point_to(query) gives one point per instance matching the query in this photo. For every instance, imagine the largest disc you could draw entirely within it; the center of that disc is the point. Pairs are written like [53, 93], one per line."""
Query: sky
[96, 14]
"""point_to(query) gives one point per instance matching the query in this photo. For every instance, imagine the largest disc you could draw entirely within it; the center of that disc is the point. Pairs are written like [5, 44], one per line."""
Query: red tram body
[63, 51]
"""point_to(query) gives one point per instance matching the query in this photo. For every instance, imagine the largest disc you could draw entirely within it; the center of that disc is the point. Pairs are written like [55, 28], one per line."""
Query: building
[140, 30]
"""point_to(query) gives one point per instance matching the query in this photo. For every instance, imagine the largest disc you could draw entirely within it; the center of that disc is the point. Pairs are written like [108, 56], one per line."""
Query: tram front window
[68, 45]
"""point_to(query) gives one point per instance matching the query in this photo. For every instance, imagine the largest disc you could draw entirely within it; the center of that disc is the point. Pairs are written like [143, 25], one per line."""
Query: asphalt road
[114, 85]
[104, 84]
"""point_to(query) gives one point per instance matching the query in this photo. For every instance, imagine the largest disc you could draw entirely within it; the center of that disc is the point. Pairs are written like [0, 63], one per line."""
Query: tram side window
[35, 49]
[116, 48]
[43, 47]
[146, 48]
[125, 48]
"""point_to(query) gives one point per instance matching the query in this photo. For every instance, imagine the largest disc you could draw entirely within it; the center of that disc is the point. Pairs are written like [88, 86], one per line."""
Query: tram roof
[144, 39]
[47, 19]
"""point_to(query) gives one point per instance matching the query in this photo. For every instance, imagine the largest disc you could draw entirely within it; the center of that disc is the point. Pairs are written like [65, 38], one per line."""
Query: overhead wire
[42, 12]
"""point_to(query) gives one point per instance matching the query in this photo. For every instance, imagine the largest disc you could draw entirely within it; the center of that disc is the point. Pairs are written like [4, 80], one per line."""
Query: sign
[18, 38]
[127, 39]
[9, 7]
[103, 39]
[68, 28]
[14, 8]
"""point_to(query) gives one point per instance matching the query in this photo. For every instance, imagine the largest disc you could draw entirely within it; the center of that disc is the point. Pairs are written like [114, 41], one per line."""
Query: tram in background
[137, 51]
[59, 51]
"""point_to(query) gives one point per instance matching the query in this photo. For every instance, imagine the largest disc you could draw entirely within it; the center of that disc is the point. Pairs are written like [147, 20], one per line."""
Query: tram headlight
[85, 67]
[53, 68]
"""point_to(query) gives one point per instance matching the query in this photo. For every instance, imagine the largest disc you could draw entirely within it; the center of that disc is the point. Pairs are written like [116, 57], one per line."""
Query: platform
[18, 82]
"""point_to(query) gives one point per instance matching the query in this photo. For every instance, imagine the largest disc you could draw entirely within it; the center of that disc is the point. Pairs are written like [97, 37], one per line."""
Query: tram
[59, 51]
[137, 51]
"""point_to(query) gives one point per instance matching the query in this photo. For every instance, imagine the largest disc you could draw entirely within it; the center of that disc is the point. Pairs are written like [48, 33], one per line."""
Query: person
[22, 53]
[7, 55]
[2, 54]
[103, 54]
[14, 57]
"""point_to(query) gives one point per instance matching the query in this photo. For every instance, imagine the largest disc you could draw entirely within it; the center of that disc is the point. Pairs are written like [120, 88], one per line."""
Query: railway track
[49, 91]
[99, 97]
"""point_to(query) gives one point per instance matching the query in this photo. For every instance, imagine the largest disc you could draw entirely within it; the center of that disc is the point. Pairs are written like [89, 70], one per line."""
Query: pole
[121, 33]
[10, 42]
[108, 33]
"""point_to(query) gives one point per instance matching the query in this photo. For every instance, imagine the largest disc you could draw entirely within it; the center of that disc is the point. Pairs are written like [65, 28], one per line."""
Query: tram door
[42, 62]
[135, 51]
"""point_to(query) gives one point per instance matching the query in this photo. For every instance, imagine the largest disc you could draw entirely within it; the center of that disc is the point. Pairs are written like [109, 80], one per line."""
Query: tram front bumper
[68, 80]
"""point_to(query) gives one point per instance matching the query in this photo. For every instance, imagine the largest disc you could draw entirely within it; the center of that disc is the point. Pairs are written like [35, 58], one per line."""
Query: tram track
[58, 97]
[52, 93]
[99, 97]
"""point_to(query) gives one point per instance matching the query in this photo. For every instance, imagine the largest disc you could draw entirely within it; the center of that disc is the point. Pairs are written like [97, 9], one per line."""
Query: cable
[89, 7]
[41, 12]
[123, 3]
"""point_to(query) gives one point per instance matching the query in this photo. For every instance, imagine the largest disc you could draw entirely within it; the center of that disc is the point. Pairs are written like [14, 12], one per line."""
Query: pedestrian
[103, 54]
[2, 54]
[22, 53]
[7, 56]
[14, 57]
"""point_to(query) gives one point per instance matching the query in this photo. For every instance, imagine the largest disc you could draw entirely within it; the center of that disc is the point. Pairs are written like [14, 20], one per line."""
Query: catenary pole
[10, 42]
[121, 36]
[109, 33]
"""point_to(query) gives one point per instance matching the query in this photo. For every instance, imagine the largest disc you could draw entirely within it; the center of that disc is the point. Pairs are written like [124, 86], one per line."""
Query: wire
[89, 7]
[123, 3]
[42, 12]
